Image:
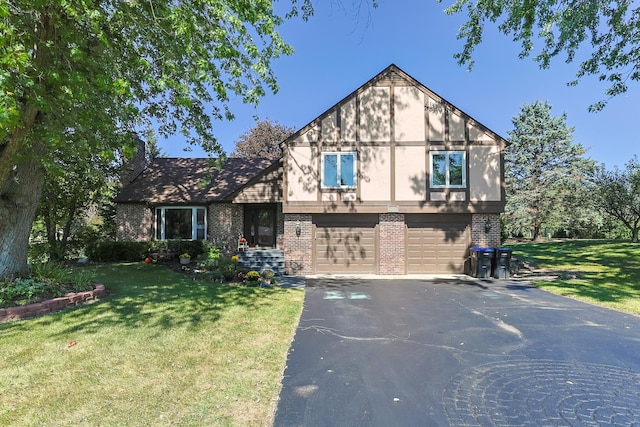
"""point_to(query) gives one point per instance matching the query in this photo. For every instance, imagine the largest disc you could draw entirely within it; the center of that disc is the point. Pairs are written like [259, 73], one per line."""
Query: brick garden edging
[49, 306]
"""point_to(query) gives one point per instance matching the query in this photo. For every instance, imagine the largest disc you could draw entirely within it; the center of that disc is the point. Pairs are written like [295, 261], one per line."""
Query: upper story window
[448, 169]
[339, 170]
[186, 223]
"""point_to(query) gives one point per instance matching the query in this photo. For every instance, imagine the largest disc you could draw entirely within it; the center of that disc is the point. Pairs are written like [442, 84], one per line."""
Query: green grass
[606, 272]
[161, 349]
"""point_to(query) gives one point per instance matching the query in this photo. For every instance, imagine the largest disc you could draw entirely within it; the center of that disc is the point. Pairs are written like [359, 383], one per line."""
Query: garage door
[345, 245]
[437, 247]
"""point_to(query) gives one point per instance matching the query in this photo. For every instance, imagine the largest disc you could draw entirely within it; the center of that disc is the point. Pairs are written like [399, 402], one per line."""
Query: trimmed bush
[194, 248]
[124, 251]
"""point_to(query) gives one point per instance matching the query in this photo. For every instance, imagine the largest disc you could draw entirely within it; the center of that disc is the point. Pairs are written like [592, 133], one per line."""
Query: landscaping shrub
[20, 290]
[252, 278]
[268, 274]
[108, 251]
[49, 272]
[195, 248]
[45, 280]
[38, 252]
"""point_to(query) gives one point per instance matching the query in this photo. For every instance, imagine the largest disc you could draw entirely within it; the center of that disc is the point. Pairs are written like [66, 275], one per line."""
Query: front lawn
[161, 349]
[603, 272]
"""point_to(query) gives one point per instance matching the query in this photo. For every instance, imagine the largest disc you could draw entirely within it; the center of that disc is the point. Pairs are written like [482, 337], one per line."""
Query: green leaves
[617, 192]
[608, 32]
[89, 63]
[544, 169]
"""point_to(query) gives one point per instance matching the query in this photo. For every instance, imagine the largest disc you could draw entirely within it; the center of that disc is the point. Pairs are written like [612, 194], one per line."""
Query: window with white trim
[339, 169]
[448, 169]
[181, 222]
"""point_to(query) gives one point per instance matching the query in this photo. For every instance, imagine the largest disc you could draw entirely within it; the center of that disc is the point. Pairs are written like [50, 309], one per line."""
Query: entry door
[260, 226]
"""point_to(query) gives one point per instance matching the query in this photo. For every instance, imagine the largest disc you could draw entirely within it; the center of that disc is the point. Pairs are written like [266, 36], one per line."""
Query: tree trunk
[19, 199]
[634, 235]
[536, 232]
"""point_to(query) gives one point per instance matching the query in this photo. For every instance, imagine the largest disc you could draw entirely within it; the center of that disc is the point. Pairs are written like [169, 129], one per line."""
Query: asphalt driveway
[458, 352]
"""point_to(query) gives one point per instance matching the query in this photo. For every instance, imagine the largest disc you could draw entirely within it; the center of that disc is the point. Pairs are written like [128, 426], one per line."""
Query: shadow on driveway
[457, 352]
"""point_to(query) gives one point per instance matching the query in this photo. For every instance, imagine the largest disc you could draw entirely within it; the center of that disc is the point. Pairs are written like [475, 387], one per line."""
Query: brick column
[485, 230]
[392, 243]
[298, 250]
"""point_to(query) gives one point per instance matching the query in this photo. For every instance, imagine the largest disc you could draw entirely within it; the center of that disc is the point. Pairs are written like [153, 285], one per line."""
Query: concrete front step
[262, 259]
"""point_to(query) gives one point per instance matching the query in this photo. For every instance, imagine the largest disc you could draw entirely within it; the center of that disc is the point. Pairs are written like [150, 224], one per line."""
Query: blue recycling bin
[502, 266]
[482, 262]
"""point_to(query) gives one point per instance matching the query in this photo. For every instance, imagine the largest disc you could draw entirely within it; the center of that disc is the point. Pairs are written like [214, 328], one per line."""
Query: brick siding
[279, 227]
[480, 237]
[134, 222]
[225, 225]
[392, 243]
[298, 250]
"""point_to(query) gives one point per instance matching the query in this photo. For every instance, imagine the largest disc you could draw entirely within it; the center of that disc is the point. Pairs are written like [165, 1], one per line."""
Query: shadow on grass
[605, 270]
[151, 296]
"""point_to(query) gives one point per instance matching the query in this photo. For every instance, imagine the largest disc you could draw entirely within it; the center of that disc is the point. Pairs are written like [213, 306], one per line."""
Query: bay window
[181, 222]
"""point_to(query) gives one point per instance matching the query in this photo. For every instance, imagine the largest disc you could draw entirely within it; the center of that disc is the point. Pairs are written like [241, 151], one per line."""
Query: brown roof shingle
[191, 180]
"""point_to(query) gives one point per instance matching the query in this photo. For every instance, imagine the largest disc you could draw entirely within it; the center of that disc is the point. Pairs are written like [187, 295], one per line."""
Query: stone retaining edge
[52, 305]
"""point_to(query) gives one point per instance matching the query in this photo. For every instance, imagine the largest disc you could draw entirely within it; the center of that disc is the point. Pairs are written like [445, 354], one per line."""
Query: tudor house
[392, 179]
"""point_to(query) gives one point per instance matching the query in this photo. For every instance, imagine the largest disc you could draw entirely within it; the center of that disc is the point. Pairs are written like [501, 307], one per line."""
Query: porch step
[262, 259]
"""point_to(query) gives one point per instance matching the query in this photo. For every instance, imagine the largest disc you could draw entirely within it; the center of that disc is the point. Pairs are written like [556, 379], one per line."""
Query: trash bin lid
[505, 249]
[485, 249]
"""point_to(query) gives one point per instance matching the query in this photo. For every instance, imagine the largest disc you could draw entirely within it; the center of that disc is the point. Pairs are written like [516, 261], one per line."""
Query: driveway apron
[458, 352]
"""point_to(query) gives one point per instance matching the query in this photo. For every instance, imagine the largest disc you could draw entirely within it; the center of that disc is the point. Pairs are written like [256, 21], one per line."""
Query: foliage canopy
[79, 76]
[262, 140]
[544, 169]
[617, 193]
[610, 28]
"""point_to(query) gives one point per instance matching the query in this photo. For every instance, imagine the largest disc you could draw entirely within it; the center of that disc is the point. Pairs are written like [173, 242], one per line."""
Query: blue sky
[338, 50]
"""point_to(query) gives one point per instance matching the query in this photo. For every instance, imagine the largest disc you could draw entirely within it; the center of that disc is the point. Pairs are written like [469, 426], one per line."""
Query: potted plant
[185, 259]
[252, 278]
[266, 277]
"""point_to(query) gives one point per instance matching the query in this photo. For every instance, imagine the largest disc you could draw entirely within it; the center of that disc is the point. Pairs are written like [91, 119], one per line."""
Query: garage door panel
[436, 248]
[345, 250]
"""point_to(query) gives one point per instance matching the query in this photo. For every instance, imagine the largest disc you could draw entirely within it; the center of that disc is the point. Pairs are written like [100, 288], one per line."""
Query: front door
[260, 226]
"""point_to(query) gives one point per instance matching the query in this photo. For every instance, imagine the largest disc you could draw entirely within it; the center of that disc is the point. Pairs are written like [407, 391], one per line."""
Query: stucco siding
[330, 128]
[484, 173]
[348, 120]
[476, 134]
[456, 127]
[374, 111]
[302, 174]
[375, 174]
[409, 116]
[436, 120]
[410, 173]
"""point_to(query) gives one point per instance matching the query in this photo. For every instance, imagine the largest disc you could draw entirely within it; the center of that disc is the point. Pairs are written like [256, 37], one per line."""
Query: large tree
[98, 70]
[604, 32]
[543, 169]
[72, 184]
[262, 140]
[617, 193]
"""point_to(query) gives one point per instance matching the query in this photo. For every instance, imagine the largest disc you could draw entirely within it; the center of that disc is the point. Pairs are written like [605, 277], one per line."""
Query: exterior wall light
[487, 226]
[298, 231]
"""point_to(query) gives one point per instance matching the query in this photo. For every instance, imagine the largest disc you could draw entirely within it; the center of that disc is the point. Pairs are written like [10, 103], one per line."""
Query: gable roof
[394, 73]
[191, 180]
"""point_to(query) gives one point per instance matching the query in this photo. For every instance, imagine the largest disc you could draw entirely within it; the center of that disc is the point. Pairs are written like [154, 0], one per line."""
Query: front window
[448, 169]
[185, 223]
[339, 170]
